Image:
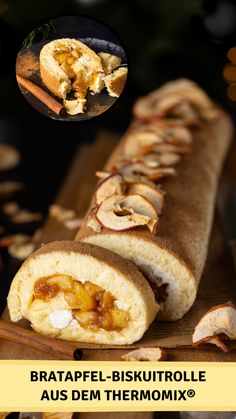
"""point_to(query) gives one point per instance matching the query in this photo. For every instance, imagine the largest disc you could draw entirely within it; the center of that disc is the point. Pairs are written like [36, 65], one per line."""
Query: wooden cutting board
[218, 283]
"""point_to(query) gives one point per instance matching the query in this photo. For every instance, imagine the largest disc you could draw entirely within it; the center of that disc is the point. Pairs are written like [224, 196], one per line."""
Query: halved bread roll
[171, 255]
[81, 292]
[66, 61]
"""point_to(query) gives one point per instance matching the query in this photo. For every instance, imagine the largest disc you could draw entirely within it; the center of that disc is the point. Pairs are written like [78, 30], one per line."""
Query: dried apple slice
[145, 136]
[140, 169]
[149, 107]
[125, 213]
[185, 113]
[148, 136]
[159, 159]
[102, 174]
[152, 194]
[183, 98]
[145, 107]
[189, 90]
[177, 106]
[167, 148]
[140, 205]
[92, 221]
[153, 160]
[145, 354]
[131, 179]
[178, 135]
[168, 159]
[220, 319]
[167, 104]
[112, 185]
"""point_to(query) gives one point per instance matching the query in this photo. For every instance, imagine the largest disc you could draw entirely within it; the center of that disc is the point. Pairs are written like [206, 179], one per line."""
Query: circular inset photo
[71, 68]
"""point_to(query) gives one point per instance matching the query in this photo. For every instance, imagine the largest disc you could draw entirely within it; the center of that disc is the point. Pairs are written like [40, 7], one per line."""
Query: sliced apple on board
[220, 319]
[111, 185]
[151, 193]
[120, 212]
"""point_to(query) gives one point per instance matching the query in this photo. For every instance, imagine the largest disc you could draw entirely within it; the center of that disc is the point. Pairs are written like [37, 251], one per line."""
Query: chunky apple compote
[66, 57]
[91, 305]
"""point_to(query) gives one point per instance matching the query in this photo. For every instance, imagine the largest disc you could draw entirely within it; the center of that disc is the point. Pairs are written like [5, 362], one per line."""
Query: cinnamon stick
[56, 348]
[43, 96]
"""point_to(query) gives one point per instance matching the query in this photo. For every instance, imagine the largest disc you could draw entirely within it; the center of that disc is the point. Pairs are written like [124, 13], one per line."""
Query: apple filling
[66, 57]
[91, 305]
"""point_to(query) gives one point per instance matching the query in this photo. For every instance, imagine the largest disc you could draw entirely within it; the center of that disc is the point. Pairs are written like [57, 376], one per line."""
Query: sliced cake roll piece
[81, 292]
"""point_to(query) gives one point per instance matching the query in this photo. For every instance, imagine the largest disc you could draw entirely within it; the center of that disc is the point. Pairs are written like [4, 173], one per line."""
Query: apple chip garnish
[173, 106]
[147, 136]
[181, 100]
[25, 216]
[159, 159]
[120, 213]
[102, 174]
[111, 185]
[21, 251]
[93, 222]
[190, 91]
[151, 193]
[154, 159]
[9, 157]
[185, 113]
[167, 148]
[73, 223]
[177, 107]
[145, 354]
[178, 135]
[143, 136]
[7, 241]
[60, 213]
[220, 319]
[130, 170]
[9, 187]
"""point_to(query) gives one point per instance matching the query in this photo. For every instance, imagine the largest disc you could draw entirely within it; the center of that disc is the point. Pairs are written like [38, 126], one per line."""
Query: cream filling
[60, 318]
[121, 306]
